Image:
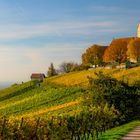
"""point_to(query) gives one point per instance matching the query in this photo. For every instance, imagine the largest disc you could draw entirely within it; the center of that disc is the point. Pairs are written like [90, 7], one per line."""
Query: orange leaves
[122, 49]
[116, 51]
[133, 47]
[93, 55]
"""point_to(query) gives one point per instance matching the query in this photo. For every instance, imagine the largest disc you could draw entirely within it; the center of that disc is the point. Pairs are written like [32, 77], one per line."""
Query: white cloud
[53, 29]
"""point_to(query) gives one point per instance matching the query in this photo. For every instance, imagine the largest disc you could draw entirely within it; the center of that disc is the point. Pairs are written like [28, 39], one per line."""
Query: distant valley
[5, 84]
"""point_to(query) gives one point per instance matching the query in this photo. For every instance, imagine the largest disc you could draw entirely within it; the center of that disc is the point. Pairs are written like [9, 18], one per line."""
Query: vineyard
[56, 109]
[80, 78]
[40, 100]
[89, 123]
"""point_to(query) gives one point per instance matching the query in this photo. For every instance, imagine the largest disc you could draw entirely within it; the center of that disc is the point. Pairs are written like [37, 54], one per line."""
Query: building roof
[38, 75]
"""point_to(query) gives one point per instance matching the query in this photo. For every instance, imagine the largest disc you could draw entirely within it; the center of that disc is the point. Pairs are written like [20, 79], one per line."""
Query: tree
[116, 51]
[133, 49]
[51, 70]
[67, 67]
[124, 97]
[93, 55]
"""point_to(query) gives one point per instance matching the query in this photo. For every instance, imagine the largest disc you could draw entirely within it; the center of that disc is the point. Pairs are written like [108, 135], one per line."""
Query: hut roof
[37, 75]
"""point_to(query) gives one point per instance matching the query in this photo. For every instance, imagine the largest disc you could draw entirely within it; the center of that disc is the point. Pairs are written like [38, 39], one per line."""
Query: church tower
[138, 31]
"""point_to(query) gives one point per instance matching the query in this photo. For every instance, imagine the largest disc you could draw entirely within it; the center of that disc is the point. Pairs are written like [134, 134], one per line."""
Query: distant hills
[5, 84]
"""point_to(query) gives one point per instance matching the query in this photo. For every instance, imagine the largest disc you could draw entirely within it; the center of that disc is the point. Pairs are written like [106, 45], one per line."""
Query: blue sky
[34, 33]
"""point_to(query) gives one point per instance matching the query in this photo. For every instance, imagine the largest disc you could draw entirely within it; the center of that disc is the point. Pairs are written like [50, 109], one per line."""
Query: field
[60, 95]
[41, 100]
[80, 78]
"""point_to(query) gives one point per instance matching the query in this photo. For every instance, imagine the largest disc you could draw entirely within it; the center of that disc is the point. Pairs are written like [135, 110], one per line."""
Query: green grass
[118, 132]
[34, 99]
[27, 98]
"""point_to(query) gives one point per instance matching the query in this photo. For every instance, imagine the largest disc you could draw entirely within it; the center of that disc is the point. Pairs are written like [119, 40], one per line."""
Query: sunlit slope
[52, 98]
[80, 78]
[37, 101]
[15, 90]
[130, 75]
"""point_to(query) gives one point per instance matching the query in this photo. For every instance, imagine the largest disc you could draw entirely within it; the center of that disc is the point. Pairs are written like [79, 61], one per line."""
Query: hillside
[39, 100]
[59, 95]
[80, 78]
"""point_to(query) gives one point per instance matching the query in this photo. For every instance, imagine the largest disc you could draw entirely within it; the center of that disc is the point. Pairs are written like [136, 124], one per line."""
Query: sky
[34, 33]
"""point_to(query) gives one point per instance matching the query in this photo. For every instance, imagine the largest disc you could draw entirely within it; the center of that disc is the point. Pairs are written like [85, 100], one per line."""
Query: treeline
[122, 50]
[65, 67]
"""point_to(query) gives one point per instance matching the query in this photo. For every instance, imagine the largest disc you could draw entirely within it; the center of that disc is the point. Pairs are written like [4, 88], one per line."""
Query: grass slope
[80, 78]
[29, 100]
[36, 101]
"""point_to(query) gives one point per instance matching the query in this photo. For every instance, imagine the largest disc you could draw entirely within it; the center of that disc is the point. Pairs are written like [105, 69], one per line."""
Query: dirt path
[133, 135]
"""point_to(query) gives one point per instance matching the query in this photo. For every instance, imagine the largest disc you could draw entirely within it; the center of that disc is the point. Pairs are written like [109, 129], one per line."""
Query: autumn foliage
[119, 50]
[133, 49]
[116, 51]
[93, 55]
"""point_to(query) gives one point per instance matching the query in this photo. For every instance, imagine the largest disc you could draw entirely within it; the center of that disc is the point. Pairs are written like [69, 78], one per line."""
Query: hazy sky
[34, 33]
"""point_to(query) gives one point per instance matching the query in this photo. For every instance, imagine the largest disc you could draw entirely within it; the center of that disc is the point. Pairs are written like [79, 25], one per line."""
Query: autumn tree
[133, 49]
[93, 55]
[51, 70]
[116, 51]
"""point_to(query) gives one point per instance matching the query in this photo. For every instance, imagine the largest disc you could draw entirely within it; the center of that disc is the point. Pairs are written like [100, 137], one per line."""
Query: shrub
[108, 90]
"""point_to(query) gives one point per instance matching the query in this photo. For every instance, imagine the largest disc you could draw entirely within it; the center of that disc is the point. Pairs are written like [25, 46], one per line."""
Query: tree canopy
[51, 70]
[124, 97]
[67, 67]
[133, 49]
[116, 51]
[93, 55]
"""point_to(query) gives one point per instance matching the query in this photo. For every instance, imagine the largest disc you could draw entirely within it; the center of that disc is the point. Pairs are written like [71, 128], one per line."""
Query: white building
[138, 31]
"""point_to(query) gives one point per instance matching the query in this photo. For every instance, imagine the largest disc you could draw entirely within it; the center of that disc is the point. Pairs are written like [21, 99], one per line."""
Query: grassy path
[119, 132]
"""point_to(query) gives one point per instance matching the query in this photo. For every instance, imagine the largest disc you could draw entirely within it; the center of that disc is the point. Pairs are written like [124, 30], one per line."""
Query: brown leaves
[133, 47]
[116, 51]
[93, 55]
